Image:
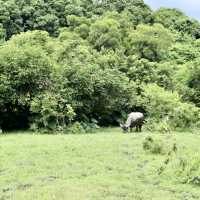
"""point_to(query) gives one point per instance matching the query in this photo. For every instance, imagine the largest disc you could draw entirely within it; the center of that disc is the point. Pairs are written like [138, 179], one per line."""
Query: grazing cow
[135, 119]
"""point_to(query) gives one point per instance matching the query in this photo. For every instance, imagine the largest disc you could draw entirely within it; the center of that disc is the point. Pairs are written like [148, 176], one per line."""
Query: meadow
[72, 66]
[106, 165]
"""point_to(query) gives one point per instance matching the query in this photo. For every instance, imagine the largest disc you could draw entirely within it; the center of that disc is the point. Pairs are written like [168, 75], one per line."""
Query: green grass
[107, 165]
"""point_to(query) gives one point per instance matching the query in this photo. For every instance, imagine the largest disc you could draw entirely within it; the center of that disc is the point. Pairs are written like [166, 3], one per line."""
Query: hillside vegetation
[79, 64]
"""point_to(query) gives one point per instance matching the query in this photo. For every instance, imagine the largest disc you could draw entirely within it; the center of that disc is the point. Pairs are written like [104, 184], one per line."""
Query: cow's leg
[131, 129]
[140, 128]
[137, 128]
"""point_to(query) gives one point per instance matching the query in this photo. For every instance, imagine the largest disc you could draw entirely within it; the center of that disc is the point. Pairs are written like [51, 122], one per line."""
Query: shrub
[81, 127]
[162, 126]
[155, 145]
[95, 93]
[90, 127]
[75, 128]
[25, 72]
[166, 106]
[51, 112]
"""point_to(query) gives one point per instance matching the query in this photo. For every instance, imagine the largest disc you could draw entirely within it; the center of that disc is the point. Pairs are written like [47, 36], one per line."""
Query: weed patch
[159, 146]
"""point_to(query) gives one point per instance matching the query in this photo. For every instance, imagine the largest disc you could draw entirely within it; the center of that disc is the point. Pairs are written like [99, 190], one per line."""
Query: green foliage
[141, 70]
[188, 169]
[104, 34]
[50, 15]
[184, 167]
[182, 53]
[150, 42]
[51, 112]
[75, 128]
[155, 145]
[187, 81]
[25, 72]
[161, 126]
[30, 38]
[112, 59]
[84, 61]
[176, 20]
[165, 105]
[96, 93]
[193, 80]
[2, 34]
[165, 75]
[138, 11]
[49, 22]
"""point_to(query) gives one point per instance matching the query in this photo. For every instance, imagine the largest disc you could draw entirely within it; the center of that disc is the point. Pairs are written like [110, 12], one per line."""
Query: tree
[192, 80]
[96, 93]
[48, 22]
[138, 11]
[182, 53]
[25, 72]
[163, 105]
[104, 33]
[176, 20]
[150, 42]
[2, 34]
[141, 70]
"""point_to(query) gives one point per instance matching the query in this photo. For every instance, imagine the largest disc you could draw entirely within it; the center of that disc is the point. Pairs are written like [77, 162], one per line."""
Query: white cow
[135, 119]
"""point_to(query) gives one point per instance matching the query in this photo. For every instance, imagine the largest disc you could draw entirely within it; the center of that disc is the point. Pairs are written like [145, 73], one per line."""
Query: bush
[51, 112]
[81, 128]
[75, 128]
[155, 145]
[166, 107]
[90, 127]
[95, 93]
[162, 126]
[25, 72]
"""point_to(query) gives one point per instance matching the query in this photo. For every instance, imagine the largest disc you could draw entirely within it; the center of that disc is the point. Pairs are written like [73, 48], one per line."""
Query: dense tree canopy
[149, 42]
[92, 62]
[177, 21]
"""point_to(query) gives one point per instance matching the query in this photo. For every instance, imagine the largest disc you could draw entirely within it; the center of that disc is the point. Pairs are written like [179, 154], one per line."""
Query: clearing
[105, 165]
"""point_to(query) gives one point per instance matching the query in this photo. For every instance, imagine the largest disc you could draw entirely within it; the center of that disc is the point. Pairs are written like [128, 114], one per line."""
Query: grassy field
[106, 165]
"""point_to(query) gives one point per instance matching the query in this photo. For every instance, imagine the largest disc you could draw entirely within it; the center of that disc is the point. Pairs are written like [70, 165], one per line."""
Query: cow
[135, 119]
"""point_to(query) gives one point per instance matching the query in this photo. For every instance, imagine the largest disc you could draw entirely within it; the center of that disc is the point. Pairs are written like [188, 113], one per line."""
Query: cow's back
[135, 116]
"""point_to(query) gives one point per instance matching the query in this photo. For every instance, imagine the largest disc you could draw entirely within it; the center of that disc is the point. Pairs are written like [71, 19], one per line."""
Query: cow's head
[124, 127]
